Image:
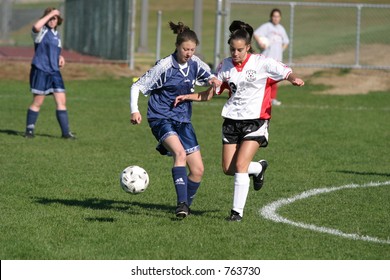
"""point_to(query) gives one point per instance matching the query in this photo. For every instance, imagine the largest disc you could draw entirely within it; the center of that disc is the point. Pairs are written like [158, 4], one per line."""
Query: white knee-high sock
[241, 189]
[255, 168]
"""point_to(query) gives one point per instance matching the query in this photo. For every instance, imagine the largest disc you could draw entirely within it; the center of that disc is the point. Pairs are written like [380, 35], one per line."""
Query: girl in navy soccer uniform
[172, 76]
[45, 76]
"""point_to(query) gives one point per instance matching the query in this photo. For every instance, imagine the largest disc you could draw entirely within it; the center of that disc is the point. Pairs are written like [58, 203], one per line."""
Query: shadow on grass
[134, 207]
[100, 219]
[363, 173]
[21, 133]
[12, 132]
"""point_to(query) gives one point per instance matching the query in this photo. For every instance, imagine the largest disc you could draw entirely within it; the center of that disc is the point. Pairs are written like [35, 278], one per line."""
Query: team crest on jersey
[250, 75]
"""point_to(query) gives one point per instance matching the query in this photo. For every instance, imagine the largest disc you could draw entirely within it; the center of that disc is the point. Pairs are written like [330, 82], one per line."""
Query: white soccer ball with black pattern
[264, 42]
[134, 179]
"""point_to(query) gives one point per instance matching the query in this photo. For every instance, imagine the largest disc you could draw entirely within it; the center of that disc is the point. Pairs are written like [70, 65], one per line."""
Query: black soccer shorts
[236, 131]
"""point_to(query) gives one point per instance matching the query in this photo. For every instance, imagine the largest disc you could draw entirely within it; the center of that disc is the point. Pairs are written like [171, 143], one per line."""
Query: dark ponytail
[240, 30]
[184, 33]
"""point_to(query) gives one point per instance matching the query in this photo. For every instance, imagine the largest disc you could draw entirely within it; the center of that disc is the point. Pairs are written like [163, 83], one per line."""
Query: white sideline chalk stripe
[269, 212]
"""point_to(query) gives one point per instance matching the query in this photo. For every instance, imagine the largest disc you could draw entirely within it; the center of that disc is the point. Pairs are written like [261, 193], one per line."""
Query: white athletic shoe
[276, 102]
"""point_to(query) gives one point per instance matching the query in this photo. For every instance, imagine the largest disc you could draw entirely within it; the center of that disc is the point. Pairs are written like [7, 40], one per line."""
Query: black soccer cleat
[29, 134]
[234, 216]
[69, 136]
[258, 180]
[182, 210]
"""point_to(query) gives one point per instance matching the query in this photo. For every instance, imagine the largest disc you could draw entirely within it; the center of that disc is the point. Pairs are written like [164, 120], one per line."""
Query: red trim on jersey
[274, 90]
[239, 67]
[267, 101]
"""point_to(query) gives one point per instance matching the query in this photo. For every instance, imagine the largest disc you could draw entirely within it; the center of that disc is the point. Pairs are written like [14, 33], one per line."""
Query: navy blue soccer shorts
[45, 83]
[163, 128]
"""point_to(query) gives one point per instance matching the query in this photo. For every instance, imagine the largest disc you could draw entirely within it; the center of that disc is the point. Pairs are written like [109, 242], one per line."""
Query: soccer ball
[134, 179]
[264, 41]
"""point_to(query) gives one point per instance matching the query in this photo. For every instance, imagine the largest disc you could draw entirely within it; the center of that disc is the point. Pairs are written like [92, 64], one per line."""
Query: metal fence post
[5, 12]
[217, 45]
[358, 22]
[197, 25]
[143, 35]
[131, 30]
[158, 40]
[226, 27]
[291, 45]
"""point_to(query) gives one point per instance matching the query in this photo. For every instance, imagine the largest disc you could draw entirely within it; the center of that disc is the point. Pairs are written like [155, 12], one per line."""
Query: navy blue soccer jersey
[47, 44]
[167, 80]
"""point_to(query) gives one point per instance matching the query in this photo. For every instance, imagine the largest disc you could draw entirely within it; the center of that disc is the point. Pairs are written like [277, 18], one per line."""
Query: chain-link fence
[337, 35]
[98, 27]
[17, 18]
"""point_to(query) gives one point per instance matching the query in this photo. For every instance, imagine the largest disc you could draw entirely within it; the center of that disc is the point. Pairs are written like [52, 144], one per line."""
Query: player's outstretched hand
[215, 83]
[136, 118]
[294, 80]
[298, 82]
[179, 99]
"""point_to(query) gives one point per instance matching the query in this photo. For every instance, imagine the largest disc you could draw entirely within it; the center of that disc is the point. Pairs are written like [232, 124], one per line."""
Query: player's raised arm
[43, 20]
[199, 96]
[294, 80]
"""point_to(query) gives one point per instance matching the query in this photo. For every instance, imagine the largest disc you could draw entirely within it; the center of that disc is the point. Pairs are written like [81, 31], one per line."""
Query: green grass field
[62, 200]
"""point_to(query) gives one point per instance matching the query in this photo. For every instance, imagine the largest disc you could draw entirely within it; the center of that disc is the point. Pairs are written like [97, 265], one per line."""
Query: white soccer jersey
[277, 36]
[250, 86]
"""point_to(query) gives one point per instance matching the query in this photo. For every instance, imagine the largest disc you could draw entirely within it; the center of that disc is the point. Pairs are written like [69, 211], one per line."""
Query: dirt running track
[15, 65]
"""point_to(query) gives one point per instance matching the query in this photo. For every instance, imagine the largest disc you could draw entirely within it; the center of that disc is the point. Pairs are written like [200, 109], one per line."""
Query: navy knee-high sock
[62, 117]
[179, 175]
[32, 117]
[192, 188]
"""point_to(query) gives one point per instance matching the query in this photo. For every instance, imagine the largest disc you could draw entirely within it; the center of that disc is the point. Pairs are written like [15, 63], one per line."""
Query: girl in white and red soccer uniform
[247, 112]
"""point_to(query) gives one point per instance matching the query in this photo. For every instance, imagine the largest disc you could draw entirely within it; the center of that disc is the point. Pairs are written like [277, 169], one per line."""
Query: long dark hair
[184, 33]
[240, 30]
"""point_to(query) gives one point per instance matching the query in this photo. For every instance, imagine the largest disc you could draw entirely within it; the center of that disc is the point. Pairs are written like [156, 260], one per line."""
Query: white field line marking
[269, 212]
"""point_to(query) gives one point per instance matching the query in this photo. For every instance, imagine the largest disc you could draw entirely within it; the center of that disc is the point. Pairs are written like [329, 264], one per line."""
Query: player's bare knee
[35, 106]
[227, 171]
[197, 172]
[180, 157]
[241, 167]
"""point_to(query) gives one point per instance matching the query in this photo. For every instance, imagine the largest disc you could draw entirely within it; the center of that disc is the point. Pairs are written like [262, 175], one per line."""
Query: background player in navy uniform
[247, 112]
[45, 76]
[172, 76]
